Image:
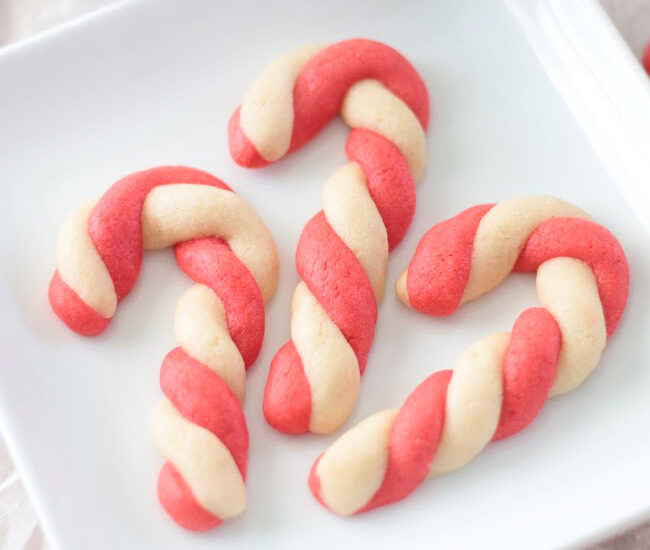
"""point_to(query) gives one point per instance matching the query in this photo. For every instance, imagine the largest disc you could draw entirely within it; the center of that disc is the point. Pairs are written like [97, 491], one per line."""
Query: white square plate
[154, 82]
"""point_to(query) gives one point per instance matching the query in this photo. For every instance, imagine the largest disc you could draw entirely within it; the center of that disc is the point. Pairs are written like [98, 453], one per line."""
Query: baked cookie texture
[500, 382]
[368, 205]
[224, 247]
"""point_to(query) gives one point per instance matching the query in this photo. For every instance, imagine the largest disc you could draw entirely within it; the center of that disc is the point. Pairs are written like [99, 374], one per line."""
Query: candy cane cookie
[500, 382]
[224, 247]
[368, 205]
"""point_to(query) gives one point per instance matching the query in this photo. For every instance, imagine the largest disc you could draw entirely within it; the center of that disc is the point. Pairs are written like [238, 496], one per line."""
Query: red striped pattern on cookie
[367, 207]
[501, 382]
[223, 246]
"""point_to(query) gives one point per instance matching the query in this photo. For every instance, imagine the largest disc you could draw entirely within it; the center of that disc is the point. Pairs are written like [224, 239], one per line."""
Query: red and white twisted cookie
[223, 246]
[368, 205]
[502, 381]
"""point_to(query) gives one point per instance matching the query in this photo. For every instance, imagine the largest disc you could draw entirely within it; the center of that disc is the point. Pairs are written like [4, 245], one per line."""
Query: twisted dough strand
[223, 246]
[501, 382]
[367, 207]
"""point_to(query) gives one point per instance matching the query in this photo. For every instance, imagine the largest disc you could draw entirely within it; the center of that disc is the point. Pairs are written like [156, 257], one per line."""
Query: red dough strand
[313, 481]
[205, 400]
[528, 369]
[211, 262]
[241, 149]
[287, 395]
[73, 311]
[389, 180]
[337, 280]
[595, 246]
[177, 500]
[439, 270]
[413, 440]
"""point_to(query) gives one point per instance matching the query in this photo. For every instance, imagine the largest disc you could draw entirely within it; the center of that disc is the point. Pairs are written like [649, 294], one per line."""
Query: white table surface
[19, 19]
